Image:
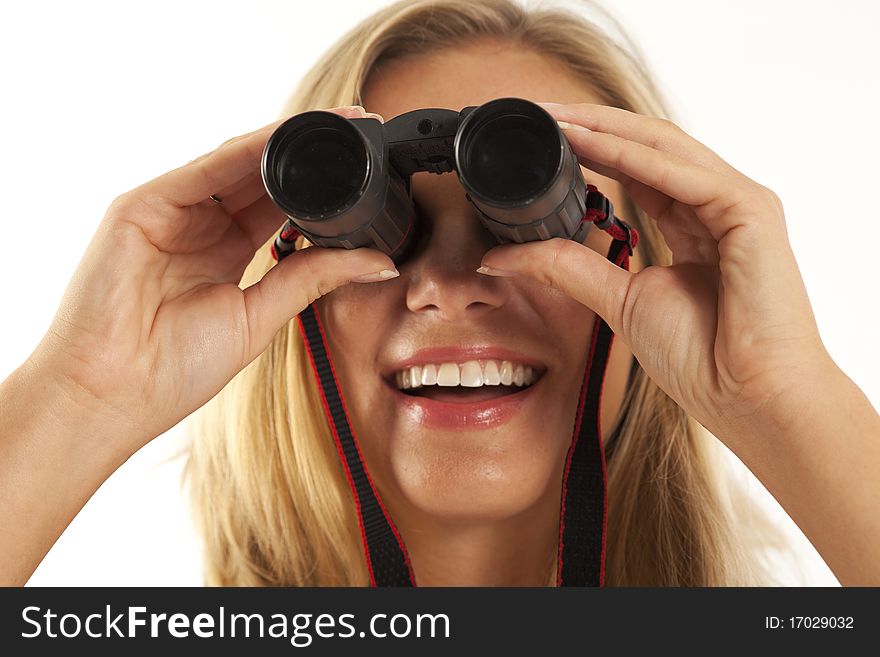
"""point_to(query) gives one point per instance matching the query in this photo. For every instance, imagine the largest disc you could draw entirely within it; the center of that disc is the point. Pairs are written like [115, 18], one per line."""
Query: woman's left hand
[727, 330]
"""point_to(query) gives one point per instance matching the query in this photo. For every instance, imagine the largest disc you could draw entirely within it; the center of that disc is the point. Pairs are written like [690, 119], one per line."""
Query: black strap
[583, 515]
[584, 510]
[387, 559]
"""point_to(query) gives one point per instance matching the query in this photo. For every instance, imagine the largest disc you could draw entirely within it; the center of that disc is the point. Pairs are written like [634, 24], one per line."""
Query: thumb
[299, 279]
[577, 270]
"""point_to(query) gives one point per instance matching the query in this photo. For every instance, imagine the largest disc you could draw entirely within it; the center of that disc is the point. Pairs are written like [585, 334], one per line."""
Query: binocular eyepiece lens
[509, 156]
[320, 167]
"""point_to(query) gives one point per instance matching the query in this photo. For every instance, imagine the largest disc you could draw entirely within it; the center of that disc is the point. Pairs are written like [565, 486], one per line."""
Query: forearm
[819, 455]
[54, 454]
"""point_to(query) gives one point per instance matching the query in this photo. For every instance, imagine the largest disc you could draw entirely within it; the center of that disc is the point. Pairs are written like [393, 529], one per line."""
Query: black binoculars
[346, 182]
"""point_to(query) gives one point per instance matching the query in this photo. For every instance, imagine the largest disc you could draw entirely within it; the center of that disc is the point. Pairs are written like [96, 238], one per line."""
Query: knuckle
[122, 206]
[664, 174]
[229, 141]
[758, 200]
[127, 209]
[626, 308]
[562, 257]
[562, 253]
[773, 197]
[316, 283]
[322, 288]
[197, 159]
[663, 122]
[776, 208]
[664, 133]
[668, 125]
[736, 194]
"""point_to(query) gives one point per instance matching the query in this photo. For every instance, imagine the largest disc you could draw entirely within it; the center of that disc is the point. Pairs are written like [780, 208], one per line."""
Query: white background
[100, 97]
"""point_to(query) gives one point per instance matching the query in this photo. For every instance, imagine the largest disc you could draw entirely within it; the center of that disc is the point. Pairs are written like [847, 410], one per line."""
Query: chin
[477, 476]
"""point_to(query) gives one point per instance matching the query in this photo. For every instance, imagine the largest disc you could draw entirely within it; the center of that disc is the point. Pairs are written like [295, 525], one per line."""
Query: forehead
[456, 77]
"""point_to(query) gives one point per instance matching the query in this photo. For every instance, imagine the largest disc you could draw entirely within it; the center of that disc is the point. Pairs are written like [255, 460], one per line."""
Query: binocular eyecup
[346, 182]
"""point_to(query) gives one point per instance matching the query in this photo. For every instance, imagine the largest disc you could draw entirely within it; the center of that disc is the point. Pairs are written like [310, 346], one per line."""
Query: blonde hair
[267, 486]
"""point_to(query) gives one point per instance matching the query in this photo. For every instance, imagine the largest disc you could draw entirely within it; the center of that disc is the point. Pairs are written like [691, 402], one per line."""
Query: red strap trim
[289, 234]
[594, 215]
[619, 233]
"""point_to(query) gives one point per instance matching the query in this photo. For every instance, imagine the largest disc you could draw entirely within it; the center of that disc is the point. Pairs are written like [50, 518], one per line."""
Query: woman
[713, 327]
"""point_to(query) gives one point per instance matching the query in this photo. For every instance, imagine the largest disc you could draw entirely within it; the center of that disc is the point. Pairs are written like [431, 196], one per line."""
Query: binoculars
[346, 182]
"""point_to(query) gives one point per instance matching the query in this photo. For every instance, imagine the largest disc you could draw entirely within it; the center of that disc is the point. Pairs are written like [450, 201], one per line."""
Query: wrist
[54, 455]
[804, 397]
[67, 421]
[815, 449]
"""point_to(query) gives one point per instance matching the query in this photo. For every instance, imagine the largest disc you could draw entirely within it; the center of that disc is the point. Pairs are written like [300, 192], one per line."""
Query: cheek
[568, 324]
[340, 309]
[355, 317]
[356, 321]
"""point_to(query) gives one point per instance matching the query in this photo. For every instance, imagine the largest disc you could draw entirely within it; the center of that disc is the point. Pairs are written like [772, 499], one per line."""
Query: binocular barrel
[346, 182]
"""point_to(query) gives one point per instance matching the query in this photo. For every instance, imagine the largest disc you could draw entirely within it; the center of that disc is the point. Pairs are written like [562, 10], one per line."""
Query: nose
[442, 276]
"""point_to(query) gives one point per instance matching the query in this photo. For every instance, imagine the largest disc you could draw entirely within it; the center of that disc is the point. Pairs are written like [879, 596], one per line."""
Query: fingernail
[549, 104]
[572, 126]
[378, 117]
[355, 108]
[491, 271]
[383, 275]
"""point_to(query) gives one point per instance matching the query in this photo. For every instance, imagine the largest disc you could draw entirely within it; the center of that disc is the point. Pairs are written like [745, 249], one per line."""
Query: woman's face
[466, 453]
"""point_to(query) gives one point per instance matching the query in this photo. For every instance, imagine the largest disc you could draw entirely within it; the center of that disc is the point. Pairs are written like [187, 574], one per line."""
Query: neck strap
[584, 509]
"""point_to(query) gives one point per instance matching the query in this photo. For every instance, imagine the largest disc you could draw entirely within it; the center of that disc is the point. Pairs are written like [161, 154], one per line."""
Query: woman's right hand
[153, 323]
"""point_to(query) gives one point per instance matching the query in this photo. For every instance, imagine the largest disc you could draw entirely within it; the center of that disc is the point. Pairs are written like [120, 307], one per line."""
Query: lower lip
[463, 416]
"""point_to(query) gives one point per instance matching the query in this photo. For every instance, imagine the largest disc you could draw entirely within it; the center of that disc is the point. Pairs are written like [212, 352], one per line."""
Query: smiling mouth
[469, 382]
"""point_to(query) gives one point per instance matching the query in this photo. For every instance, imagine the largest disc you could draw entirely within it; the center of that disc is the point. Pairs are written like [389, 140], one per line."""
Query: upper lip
[462, 354]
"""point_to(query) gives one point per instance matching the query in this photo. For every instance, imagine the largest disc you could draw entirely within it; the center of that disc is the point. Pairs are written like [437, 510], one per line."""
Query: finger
[241, 194]
[259, 220]
[649, 199]
[661, 134]
[248, 194]
[227, 165]
[711, 194]
[225, 245]
[655, 203]
[579, 271]
[299, 279]
[209, 174]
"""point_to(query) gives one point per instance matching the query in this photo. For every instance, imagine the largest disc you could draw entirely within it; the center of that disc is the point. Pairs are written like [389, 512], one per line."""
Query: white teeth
[506, 373]
[449, 374]
[471, 374]
[429, 375]
[491, 375]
